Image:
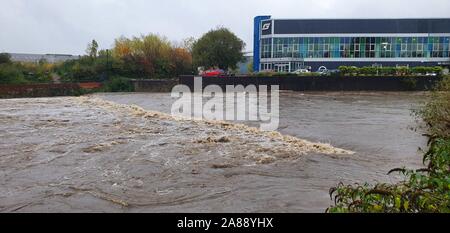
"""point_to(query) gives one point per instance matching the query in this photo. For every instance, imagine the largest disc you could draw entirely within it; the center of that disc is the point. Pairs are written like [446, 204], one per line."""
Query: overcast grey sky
[66, 26]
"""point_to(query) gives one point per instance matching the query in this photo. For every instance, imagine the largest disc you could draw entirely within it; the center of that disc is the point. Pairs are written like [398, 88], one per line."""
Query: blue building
[285, 45]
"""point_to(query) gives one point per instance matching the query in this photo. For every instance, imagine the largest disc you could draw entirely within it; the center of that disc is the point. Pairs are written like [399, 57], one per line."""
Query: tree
[92, 49]
[5, 58]
[42, 62]
[250, 67]
[152, 56]
[188, 44]
[218, 48]
[11, 74]
[181, 61]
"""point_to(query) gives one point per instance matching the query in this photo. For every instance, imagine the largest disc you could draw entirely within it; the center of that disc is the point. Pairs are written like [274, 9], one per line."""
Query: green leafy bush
[265, 74]
[368, 70]
[286, 74]
[11, 74]
[5, 58]
[388, 71]
[437, 111]
[82, 70]
[348, 70]
[118, 84]
[25, 73]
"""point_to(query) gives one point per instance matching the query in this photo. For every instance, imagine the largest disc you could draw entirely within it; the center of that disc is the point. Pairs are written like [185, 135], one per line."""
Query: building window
[388, 47]
[266, 66]
[419, 47]
[404, 47]
[361, 47]
[296, 50]
[285, 48]
[435, 47]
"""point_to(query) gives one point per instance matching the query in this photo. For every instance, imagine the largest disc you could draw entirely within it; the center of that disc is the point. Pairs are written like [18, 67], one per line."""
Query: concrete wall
[318, 83]
[145, 85]
[39, 90]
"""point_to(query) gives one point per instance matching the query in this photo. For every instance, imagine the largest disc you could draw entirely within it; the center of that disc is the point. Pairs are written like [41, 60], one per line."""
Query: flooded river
[121, 153]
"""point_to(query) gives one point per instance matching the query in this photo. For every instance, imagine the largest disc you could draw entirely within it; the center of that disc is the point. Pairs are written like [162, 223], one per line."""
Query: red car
[213, 73]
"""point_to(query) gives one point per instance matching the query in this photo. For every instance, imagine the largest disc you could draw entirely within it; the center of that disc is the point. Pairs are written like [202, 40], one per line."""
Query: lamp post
[107, 64]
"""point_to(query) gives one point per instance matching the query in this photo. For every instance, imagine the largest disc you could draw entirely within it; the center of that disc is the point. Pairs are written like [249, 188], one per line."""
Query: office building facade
[286, 45]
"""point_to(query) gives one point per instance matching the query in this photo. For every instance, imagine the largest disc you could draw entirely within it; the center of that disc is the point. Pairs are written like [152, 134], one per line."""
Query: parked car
[430, 74]
[213, 73]
[302, 71]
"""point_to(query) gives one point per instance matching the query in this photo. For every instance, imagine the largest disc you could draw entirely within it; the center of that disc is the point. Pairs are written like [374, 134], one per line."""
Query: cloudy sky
[66, 26]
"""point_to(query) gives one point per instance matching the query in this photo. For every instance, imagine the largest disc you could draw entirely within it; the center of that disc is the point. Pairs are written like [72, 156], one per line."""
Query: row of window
[343, 40]
[282, 67]
[356, 47]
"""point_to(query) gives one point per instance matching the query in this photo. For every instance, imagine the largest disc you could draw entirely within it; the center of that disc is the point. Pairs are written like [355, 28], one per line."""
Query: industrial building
[286, 45]
[35, 58]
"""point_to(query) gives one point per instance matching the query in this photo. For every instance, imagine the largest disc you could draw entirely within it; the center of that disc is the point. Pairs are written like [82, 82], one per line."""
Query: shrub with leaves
[397, 71]
[118, 84]
[422, 191]
[25, 73]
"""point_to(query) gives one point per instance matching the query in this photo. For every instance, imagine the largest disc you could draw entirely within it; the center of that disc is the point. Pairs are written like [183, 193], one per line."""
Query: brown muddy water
[101, 154]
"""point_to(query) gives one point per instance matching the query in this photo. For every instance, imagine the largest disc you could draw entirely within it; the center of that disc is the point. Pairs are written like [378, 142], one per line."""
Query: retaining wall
[323, 83]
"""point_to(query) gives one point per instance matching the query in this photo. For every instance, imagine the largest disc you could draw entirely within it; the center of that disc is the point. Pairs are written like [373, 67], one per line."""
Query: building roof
[322, 26]
[51, 58]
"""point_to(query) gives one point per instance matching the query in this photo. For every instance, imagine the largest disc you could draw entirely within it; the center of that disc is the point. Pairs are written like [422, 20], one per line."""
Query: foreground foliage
[424, 190]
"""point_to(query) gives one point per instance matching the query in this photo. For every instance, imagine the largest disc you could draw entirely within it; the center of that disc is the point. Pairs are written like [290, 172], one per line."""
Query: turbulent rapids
[288, 142]
[90, 154]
